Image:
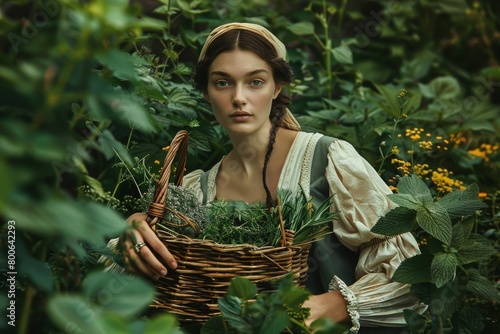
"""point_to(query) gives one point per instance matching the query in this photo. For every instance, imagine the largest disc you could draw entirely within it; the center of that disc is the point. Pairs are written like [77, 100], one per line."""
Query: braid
[275, 121]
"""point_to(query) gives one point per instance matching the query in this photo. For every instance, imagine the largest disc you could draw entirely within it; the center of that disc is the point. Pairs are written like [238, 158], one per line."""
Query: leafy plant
[450, 252]
[243, 311]
[235, 222]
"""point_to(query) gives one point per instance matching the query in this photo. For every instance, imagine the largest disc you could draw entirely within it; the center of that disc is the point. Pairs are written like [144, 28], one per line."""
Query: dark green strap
[204, 186]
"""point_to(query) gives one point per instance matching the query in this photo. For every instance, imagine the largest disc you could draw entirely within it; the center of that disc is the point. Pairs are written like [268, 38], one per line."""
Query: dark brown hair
[282, 74]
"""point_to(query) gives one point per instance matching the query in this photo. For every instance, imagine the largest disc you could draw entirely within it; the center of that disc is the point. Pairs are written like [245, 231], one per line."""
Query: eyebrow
[249, 74]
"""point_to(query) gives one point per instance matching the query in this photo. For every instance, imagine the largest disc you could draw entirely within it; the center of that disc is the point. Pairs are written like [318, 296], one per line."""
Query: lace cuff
[352, 302]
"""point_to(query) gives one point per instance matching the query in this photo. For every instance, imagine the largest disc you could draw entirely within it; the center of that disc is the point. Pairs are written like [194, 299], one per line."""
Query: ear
[277, 90]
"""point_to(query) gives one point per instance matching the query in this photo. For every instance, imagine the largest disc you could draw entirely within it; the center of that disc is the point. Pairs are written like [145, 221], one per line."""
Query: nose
[239, 98]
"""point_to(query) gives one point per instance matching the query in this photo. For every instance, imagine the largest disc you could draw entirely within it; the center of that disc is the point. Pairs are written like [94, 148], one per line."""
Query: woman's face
[241, 89]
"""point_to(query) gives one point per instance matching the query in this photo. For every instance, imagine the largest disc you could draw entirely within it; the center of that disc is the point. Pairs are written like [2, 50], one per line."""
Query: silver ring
[138, 246]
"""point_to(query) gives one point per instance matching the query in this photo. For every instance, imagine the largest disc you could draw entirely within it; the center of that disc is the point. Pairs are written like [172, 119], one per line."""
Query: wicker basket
[205, 268]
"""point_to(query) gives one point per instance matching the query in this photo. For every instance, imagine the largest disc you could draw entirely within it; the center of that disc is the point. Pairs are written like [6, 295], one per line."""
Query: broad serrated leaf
[414, 320]
[443, 268]
[414, 186]
[405, 200]
[461, 232]
[230, 308]
[397, 221]
[242, 288]
[475, 249]
[434, 219]
[481, 286]
[463, 208]
[447, 300]
[468, 194]
[416, 269]
[469, 320]
[423, 291]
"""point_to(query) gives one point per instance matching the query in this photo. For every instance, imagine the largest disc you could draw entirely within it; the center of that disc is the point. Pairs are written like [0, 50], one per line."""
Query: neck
[249, 150]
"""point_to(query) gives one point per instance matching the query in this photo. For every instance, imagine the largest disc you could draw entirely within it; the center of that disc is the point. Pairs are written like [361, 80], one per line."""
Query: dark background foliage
[91, 91]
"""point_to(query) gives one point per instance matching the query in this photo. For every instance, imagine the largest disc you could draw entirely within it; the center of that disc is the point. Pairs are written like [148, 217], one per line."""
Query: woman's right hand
[150, 259]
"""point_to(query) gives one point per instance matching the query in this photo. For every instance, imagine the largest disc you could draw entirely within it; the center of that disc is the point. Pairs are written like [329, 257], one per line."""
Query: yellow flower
[395, 150]
[483, 195]
[166, 148]
[157, 162]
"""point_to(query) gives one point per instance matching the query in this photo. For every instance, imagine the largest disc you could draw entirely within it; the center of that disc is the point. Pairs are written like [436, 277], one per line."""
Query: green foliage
[450, 251]
[236, 222]
[87, 86]
[245, 311]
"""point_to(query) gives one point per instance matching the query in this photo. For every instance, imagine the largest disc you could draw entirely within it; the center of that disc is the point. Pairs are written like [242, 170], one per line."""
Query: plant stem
[301, 325]
[25, 313]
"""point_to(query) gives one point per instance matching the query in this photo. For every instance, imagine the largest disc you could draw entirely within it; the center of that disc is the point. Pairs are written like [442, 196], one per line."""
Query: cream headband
[289, 120]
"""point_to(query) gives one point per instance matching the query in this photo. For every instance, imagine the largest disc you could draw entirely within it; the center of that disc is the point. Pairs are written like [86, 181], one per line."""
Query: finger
[137, 262]
[133, 261]
[157, 246]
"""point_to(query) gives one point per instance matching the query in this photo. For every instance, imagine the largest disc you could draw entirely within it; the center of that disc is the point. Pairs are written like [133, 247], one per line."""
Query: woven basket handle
[179, 145]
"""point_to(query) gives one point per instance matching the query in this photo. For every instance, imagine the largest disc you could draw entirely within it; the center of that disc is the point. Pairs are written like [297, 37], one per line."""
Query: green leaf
[390, 101]
[110, 146]
[442, 88]
[242, 288]
[35, 270]
[416, 269]
[443, 268]
[342, 54]
[162, 323]
[461, 232]
[301, 28]
[73, 314]
[120, 62]
[405, 200]
[447, 299]
[475, 249]
[481, 286]
[124, 294]
[462, 203]
[327, 326]
[94, 184]
[470, 320]
[397, 221]
[114, 323]
[414, 186]
[214, 325]
[275, 321]
[415, 321]
[434, 219]
[292, 295]
[230, 308]
[90, 222]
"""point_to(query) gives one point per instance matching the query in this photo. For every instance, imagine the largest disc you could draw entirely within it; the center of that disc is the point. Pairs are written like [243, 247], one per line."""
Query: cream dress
[361, 197]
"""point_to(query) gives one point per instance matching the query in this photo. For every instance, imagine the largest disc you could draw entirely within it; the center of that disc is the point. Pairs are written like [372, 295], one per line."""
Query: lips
[240, 116]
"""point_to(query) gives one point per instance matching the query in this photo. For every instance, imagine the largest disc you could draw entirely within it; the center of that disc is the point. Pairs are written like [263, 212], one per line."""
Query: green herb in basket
[236, 222]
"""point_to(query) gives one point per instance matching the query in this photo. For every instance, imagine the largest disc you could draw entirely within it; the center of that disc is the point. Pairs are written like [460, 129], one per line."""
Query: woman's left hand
[330, 305]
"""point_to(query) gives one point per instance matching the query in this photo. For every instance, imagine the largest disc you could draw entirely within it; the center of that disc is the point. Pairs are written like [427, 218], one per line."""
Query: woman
[242, 72]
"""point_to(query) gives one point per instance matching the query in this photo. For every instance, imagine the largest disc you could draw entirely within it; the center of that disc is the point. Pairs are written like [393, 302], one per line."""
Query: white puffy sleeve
[360, 195]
